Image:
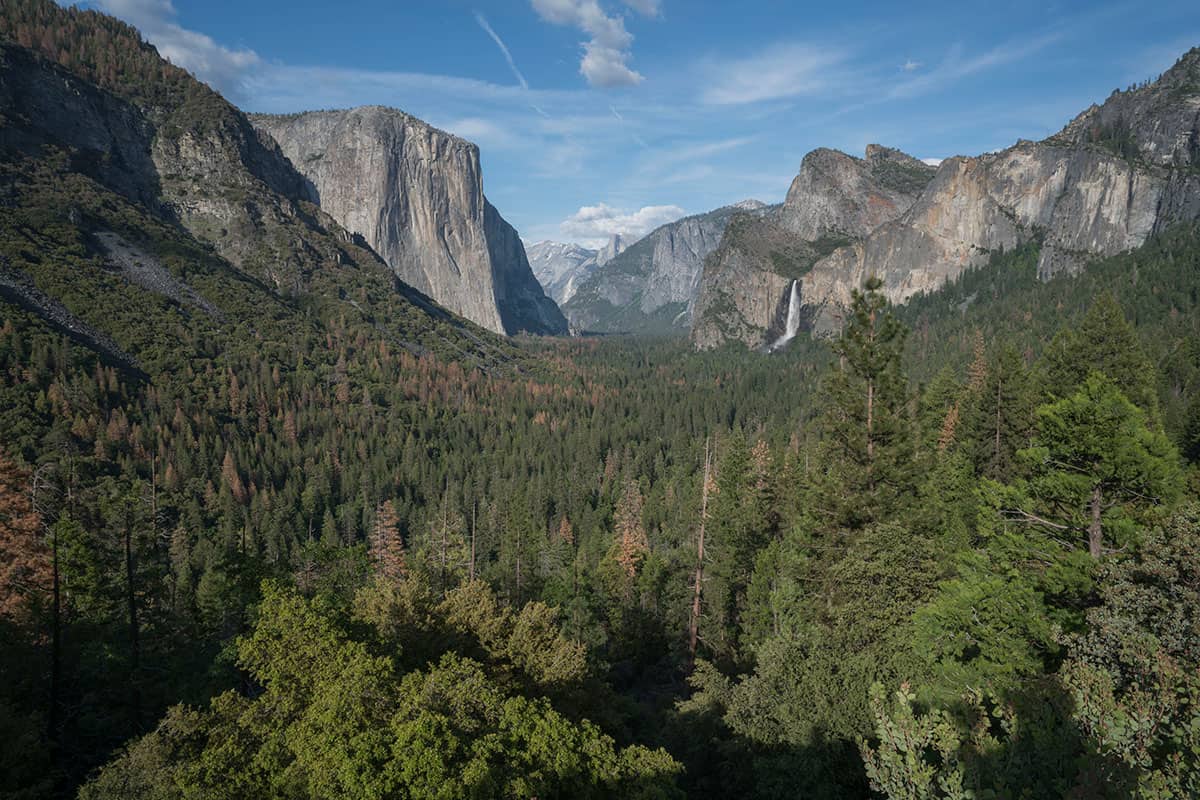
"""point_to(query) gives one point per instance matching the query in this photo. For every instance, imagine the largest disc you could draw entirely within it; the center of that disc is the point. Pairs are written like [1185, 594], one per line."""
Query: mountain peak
[878, 153]
[1157, 122]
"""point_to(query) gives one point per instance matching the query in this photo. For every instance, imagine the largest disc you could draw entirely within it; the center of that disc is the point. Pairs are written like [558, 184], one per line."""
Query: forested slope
[265, 539]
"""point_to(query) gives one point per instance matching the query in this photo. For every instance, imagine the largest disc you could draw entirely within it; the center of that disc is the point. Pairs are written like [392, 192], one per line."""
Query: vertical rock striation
[835, 199]
[415, 194]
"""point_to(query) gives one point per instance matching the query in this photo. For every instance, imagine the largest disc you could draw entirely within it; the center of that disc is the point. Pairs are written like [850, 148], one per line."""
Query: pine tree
[229, 474]
[633, 546]
[1097, 463]
[998, 417]
[937, 402]
[707, 488]
[1104, 342]
[25, 563]
[385, 544]
[867, 427]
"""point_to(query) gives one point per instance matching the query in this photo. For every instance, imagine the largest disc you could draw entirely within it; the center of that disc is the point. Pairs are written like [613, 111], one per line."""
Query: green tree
[335, 720]
[1096, 466]
[866, 423]
[1104, 342]
[998, 416]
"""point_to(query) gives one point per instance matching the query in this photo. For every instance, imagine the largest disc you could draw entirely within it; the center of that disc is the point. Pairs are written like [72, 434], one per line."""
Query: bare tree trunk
[996, 453]
[474, 507]
[55, 640]
[870, 423]
[135, 650]
[871, 413]
[518, 567]
[694, 624]
[1095, 531]
[444, 578]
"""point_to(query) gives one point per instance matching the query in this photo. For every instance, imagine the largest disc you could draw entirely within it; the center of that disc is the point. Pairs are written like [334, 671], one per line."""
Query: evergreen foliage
[326, 543]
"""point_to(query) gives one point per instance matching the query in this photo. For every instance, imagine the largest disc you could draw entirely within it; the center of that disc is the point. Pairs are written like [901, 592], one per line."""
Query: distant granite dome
[415, 194]
[651, 285]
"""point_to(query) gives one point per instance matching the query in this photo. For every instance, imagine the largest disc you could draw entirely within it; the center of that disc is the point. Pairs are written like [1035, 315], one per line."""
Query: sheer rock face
[652, 285]
[203, 166]
[415, 194]
[1114, 176]
[835, 199]
[838, 194]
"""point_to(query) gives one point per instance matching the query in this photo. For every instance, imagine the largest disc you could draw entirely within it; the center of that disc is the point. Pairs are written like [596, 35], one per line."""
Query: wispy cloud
[607, 52]
[649, 8]
[700, 150]
[222, 68]
[284, 87]
[483, 23]
[484, 132]
[911, 66]
[957, 65]
[782, 71]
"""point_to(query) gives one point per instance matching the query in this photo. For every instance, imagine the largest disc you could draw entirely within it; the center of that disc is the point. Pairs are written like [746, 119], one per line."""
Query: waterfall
[793, 318]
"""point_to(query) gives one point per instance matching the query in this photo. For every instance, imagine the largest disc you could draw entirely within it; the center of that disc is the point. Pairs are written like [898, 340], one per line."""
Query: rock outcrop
[415, 194]
[558, 266]
[1117, 174]
[198, 163]
[175, 193]
[651, 286]
[1114, 176]
[836, 199]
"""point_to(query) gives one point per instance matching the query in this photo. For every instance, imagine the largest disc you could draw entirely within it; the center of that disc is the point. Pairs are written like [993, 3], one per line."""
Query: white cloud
[784, 70]
[607, 52]
[594, 225]
[483, 23]
[911, 66]
[933, 162]
[224, 69]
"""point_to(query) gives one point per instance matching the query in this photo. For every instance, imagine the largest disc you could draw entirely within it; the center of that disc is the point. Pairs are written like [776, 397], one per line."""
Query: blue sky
[605, 116]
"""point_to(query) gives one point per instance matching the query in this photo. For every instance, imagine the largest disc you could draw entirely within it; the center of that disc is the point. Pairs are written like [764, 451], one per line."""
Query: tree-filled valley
[275, 525]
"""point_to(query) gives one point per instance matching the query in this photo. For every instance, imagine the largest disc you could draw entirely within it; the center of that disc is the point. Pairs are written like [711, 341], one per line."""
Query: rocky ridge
[562, 267]
[558, 265]
[158, 180]
[651, 286]
[834, 200]
[415, 194]
[1114, 176]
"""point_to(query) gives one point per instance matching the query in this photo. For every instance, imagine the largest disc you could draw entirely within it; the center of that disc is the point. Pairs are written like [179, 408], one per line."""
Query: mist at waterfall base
[792, 326]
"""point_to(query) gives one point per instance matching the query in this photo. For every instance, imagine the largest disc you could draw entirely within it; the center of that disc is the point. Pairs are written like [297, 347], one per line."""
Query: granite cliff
[415, 194]
[1117, 174]
[561, 267]
[836, 199]
[167, 191]
[651, 286]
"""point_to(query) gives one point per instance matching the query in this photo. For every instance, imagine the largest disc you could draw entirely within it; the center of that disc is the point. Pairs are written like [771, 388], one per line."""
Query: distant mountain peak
[617, 244]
